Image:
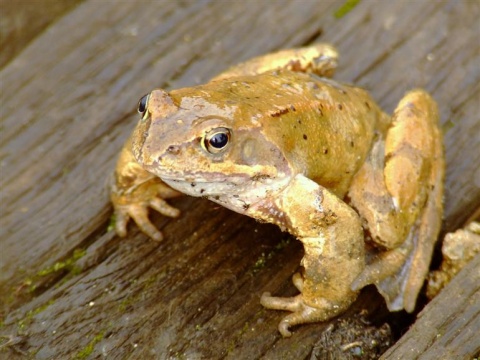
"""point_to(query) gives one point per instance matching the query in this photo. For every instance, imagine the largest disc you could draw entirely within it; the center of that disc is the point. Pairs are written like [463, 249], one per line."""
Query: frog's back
[325, 129]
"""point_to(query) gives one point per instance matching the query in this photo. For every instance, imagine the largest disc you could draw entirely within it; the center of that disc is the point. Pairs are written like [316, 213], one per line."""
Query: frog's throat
[237, 193]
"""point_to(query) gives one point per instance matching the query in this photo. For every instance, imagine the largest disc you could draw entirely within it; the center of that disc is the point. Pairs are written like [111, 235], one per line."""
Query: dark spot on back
[340, 107]
[258, 177]
[279, 112]
[304, 137]
[295, 65]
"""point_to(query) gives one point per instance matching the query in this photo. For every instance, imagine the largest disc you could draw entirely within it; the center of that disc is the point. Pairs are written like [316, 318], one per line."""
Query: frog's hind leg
[398, 194]
[320, 59]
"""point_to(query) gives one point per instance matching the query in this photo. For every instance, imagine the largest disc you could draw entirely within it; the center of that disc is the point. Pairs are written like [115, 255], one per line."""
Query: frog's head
[202, 145]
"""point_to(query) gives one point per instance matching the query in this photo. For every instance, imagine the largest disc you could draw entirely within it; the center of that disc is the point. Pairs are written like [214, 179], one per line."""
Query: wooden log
[70, 288]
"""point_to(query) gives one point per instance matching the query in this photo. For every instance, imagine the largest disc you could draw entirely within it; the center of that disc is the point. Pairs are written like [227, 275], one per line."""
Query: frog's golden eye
[216, 140]
[142, 106]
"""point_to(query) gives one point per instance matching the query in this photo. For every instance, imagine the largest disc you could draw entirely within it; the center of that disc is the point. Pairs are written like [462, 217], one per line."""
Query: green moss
[263, 259]
[347, 6]
[179, 356]
[68, 264]
[124, 304]
[27, 319]
[282, 244]
[447, 126]
[260, 263]
[111, 223]
[41, 308]
[134, 298]
[88, 349]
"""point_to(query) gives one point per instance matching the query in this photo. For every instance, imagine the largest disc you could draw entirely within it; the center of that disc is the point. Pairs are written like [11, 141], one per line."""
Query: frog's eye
[216, 140]
[142, 106]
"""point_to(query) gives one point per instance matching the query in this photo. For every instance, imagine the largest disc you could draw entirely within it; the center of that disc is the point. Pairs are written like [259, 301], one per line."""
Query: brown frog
[275, 139]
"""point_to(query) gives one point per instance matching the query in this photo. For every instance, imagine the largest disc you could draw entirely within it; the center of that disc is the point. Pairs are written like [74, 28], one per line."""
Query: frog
[277, 139]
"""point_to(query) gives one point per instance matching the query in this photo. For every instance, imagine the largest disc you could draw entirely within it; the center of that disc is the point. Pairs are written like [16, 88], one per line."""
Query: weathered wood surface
[67, 104]
[22, 20]
[449, 326]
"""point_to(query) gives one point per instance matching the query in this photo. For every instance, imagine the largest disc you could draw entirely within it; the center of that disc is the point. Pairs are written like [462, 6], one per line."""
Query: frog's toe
[121, 220]
[164, 208]
[280, 303]
[305, 314]
[297, 280]
[138, 211]
[140, 215]
[301, 312]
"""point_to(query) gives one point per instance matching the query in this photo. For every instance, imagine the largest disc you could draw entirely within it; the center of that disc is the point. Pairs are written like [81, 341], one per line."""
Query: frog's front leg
[320, 59]
[133, 191]
[332, 236]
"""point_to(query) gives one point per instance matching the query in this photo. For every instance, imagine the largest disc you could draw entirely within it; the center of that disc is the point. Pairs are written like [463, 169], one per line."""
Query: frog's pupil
[219, 140]
[142, 104]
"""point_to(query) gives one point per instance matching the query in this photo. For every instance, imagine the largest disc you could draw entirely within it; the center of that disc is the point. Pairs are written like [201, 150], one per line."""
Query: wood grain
[448, 327]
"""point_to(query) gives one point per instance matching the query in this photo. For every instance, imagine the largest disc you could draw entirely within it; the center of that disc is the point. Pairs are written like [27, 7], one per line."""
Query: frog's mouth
[205, 184]
[235, 192]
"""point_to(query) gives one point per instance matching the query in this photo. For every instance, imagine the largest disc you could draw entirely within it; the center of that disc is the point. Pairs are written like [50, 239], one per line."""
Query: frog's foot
[386, 271]
[382, 266]
[301, 312]
[139, 213]
[321, 59]
[132, 201]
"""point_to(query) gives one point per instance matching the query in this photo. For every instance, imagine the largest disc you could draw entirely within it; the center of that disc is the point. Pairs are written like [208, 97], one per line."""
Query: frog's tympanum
[275, 139]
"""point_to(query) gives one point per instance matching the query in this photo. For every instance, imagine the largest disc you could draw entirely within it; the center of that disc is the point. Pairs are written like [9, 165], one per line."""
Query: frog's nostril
[173, 149]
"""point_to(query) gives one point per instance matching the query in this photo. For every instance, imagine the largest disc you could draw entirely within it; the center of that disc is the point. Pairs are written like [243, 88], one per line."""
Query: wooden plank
[449, 326]
[66, 112]
[22, 20]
